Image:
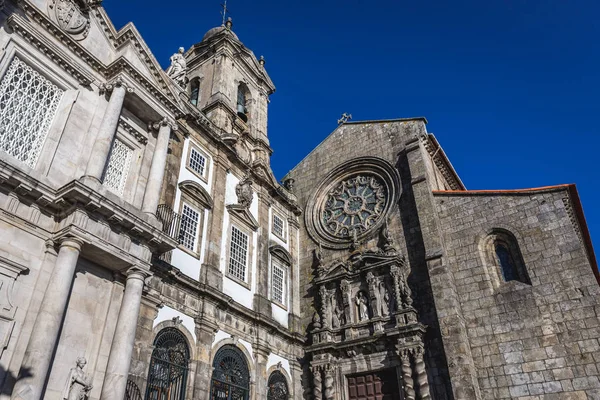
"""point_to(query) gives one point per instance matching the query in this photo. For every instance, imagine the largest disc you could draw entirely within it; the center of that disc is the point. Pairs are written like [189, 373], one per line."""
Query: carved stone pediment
[197, 192]
[357, 263]
[244, 215]
[280, 252]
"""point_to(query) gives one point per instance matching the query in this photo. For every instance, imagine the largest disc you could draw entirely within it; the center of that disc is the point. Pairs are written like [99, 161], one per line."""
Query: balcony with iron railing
[171, 224]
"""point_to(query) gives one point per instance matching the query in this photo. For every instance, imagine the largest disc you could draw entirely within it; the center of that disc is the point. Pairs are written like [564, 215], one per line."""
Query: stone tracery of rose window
[354, 205]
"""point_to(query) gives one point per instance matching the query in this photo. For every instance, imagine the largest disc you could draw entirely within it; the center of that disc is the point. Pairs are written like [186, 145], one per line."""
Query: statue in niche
[178, 67]
[244, 192]
[384, 295]
[337, 317]
[362, 306]
[386, 239]
[79, 383]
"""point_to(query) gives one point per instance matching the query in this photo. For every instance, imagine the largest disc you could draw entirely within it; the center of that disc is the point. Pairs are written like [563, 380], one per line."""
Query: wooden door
[380, 385]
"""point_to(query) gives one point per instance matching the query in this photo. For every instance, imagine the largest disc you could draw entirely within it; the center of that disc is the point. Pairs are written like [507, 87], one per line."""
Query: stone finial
[262, 61]
[289, 184]
[228, 23]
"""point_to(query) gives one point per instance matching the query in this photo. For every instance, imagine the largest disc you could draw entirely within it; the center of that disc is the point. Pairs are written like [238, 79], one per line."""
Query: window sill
[238, 281]
[189, 252]
[278, 304]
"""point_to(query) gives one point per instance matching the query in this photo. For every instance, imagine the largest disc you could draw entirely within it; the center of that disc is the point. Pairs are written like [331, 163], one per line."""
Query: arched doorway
[231, 376]
[277, 387]
[167, 377]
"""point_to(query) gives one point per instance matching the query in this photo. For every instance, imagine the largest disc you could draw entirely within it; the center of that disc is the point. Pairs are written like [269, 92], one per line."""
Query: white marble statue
[178, 67]
[79, 384]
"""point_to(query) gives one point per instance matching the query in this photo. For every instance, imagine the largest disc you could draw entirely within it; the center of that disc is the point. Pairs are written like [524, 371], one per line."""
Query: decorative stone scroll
[244, 192]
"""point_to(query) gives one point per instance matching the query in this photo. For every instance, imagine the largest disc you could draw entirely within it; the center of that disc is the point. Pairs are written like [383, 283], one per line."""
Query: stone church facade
[148, 252]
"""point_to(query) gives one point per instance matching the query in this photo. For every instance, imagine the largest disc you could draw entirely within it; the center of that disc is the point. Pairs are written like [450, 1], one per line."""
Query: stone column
[101, 149]
[205, 332]
[119, 359]
[261, 353]
[157, 169]
[329, 389]
[317, 383]
[210, 273]
[422, 380]
[44, 337]
[262, 303]
[409, 386]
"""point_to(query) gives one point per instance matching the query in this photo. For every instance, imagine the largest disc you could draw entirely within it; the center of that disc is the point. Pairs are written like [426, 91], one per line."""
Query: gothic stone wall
[537, 341]
[387, 140]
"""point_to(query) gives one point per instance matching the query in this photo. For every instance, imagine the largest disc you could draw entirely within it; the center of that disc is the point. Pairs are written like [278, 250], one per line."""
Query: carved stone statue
[244, 192]
[178, 67]
[79, 384]
[363, 307]
[384, 295]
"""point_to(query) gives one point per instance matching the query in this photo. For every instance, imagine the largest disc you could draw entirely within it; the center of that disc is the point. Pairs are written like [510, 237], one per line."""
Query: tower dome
[218, 29]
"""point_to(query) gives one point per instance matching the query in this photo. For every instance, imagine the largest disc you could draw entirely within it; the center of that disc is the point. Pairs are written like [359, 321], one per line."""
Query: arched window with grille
[503, 256]
[277, 387]
[231, 376]
[169, 365]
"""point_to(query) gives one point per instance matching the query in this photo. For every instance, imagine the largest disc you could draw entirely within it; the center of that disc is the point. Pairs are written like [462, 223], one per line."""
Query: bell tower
[230, 85]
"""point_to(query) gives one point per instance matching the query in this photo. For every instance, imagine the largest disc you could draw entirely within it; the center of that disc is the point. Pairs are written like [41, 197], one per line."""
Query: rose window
[354, 205]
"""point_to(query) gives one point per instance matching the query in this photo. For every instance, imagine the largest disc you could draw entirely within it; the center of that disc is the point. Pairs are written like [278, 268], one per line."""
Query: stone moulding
[374, 167]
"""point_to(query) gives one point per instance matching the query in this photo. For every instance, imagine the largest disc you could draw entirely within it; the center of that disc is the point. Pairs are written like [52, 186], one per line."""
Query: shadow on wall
[8, 379]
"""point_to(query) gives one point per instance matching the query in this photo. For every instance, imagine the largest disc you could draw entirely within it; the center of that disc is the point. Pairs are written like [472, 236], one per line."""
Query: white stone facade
[94, 180]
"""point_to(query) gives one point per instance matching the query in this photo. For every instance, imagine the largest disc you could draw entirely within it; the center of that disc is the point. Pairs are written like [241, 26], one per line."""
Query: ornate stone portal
[365, 318]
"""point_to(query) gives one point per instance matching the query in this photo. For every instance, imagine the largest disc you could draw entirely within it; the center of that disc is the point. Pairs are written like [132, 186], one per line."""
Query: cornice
[24, 29]
[441, 161]
[172, 276]
[169, 100]
[127, 127]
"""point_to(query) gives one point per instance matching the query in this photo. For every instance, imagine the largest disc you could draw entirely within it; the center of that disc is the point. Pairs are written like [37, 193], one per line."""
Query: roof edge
[371, 121]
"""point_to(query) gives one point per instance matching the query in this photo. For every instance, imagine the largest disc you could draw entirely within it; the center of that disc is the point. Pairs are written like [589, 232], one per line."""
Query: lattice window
[118, 167]
[28, 103]
[238, 254]
[278, 284]
[197, 162]
[278, 226]
[188, 232]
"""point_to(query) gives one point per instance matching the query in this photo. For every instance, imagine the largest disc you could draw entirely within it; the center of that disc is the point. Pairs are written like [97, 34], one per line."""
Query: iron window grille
[238, 254]
[197, 162]
[231, 376]
[188, 231]
[169, 366]
[28, 104]
[277, 387]
[117, 169]
[278, 284]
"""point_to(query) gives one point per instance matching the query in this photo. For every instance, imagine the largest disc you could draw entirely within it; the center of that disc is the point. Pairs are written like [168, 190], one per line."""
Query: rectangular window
[278, 226]
[238, 254]
[197, 162]
[190, 219]
[117, 169]
[28, 103]
[278, 284]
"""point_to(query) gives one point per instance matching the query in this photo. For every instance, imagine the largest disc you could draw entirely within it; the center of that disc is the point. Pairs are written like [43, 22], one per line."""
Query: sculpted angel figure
[79, 384]
[178, 67]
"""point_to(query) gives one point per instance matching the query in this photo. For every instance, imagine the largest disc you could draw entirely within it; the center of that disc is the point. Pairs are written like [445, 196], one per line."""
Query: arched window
[277, 387]
[195, 91]
[231, 376]
[167, 377]
[242, 101]
[502, 254]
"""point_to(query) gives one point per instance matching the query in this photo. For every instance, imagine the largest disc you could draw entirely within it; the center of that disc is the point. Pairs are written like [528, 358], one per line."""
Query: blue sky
[508, 86]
